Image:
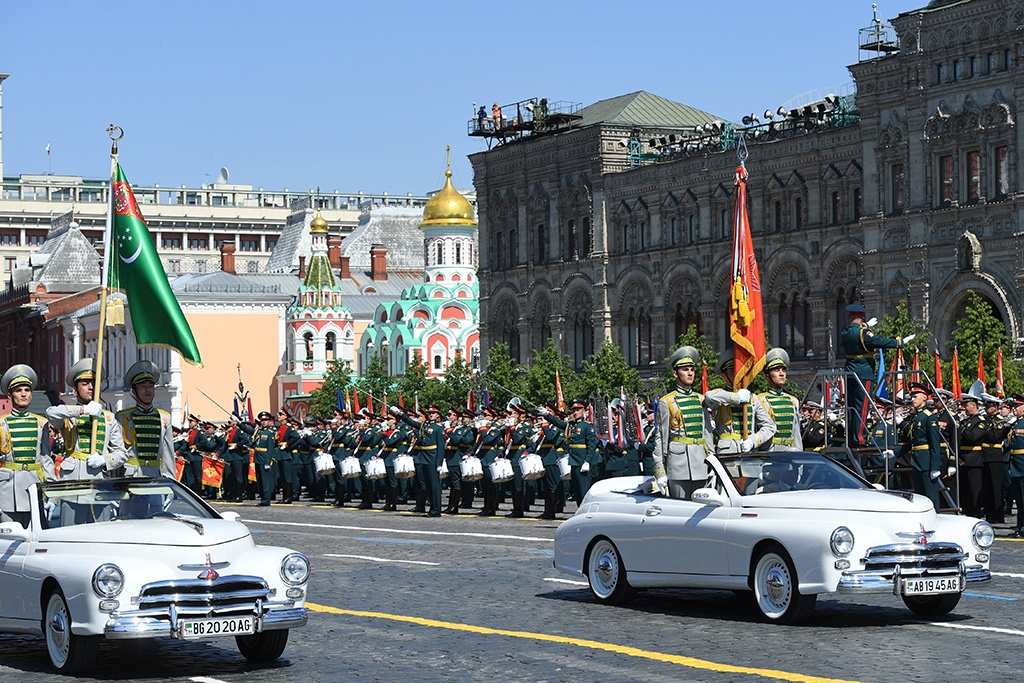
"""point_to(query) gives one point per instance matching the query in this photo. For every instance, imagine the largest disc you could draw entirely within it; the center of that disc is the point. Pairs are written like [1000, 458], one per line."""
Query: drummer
[492, 441]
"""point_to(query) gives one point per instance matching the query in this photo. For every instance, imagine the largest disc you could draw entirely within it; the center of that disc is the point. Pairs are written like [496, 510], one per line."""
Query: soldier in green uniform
[371, 445]
[1015, 449]
[683, 433]
[320, 441]
[264, 446]
[24, 446]
[549, 440]
[211, 446]
[459, 441]
[491, 437]
[428, 453]
[728, 408]
[992, 466]
[970, 435]
[860, 345]
[192, 472]
[580, 440]
[287, 463]
[924, 445]
[147, 430]
[783, 407]
[519, 433]
[396, 442]
[812, 433]
[81, 460]
[238, 443]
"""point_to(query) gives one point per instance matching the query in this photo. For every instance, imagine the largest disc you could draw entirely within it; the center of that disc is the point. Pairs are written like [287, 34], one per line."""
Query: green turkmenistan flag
[135, 269]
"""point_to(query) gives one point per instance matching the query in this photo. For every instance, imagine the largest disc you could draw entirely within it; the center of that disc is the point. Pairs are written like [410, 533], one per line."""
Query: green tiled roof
[644, 109]
[319, 276]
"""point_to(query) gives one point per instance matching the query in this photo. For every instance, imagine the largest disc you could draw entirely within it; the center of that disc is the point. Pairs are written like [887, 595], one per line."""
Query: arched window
[692, 229]
[458, 253]
[439, 257]
[643, 235]
[569, 249]
[837, 209]
[798, 213]
[586, 238]
[308, 339]
[674, 232]
[329, 346]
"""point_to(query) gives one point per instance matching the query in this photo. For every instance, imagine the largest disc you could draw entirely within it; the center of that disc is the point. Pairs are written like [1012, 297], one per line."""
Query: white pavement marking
[1008, 574]
[569, 581]
[992, 629]
[383, 559]
[204, 679]
[398, 531]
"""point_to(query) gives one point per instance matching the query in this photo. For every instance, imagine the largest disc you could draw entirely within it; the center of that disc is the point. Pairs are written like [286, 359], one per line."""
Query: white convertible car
[143, 558]
[786, 526]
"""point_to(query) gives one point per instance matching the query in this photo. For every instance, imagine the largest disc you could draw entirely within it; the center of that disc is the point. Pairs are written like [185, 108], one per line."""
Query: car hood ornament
[210, 574]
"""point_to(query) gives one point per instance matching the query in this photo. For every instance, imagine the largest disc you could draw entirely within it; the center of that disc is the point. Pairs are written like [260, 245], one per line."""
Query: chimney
[302, 267]
[227, 257]
[378, 262]
[337, 261]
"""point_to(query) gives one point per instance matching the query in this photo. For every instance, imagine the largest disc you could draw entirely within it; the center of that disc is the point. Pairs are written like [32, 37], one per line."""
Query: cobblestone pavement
[400, 597]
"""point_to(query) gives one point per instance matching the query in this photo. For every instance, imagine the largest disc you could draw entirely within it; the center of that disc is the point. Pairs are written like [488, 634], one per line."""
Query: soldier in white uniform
[76, 423]
[683, 430]
[146, 430]
[24, 446]
[783, 407]
[726, 409]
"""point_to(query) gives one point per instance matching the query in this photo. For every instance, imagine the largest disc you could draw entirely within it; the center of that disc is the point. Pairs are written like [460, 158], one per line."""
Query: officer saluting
[77, 421]
[146, 430]
[859, 345]
[24, 446]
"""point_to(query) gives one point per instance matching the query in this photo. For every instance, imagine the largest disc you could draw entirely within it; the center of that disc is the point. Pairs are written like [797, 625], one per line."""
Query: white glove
[92, 408]
[908, 339]
[747, 445]
[585, 468]
[743, 395]
[48, 507]
[395, 410]
[872, 322]
[636, 445]
[950, 471]
[95, 460]
[439, 469]
[543, 411]
[266, 467]
[888, 454]
[663, 483]
[935, 474]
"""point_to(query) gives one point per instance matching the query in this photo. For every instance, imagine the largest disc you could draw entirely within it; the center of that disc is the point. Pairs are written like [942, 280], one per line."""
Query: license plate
[931, 586]
[211, 628]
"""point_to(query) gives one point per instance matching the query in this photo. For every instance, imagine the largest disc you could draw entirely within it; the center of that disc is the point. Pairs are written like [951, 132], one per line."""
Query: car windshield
[775, 472]
[89, 501]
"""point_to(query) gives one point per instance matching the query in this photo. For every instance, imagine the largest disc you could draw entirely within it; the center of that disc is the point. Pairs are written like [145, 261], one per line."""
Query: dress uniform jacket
[725, 409]
[683, 436]
[77, 429]
[26, 458]
[150, 442]
[784, 410]
[924, 447]
[813, 435]
[579, 439]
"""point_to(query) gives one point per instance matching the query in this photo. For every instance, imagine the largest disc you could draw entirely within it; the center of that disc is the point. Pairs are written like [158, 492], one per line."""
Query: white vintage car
[143, 558]
[787, 526]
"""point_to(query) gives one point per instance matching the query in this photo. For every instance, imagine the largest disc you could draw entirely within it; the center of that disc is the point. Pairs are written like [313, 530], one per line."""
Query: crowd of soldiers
[513, 456]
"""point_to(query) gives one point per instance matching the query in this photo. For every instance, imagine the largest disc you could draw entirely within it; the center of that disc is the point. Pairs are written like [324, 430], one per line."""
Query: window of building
[9, 239]
[777, 216]
[896, 188]
[973, 176]
[307, 342]
[957, 71]
[626, 238]
[946, 179]
[570, 240]
[691, 230]
[974, 66]
[1007, 59]
[197, 243]
[250, 245]
[586, 238]
[201, 266]
[673, 235]
[513, 248]
[798, 213]
[990, 62]
[171, 242]
[437, 361]
[940, 73]
[857, 203]
[252, 267]
[174, 265]
[458, 253]
[836, 209]
[541, 244]
[329, 345]
[724, 218]
[439, 254]
[34, 240]
[1002, 171]
[271, 245]
[500, 252]
[643, 236]
[9, 263]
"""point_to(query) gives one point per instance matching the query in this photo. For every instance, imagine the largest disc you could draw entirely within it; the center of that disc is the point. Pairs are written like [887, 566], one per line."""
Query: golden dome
[448, 207]
[318, 224]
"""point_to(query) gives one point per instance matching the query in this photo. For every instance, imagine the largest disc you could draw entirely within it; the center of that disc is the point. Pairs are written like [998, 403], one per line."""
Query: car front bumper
[268, 617]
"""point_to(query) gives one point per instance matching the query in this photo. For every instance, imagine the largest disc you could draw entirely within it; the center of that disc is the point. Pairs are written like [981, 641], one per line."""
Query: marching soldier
[460, 439]
[428, 453]
[210, 445]
[238, 443]
[518, 435]
[146, 430]
[396, 443]
[1016, 452]
[492, 441]
[683, 430]
[992, 461]
[581, 441]
[783, 407]
[320, 441]
[550, 440]
[728, 408]
[971, 435]
[264, 446]
[345, 440]
[192, 472]
[370, 446]
[860, 344]
[287, 464]
[24, 446]
[81, 461]
[924, 446]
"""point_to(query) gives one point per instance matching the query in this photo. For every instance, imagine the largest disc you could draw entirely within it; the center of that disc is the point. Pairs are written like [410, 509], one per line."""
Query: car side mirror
[878, 487]
[708, 496]
[12, 531]
[231, 516]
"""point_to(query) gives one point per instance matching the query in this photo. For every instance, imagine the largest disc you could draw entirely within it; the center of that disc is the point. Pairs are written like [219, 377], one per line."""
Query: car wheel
[932, 605]
[262, 647]
[69, 654]
[607, 575]
[776, 591]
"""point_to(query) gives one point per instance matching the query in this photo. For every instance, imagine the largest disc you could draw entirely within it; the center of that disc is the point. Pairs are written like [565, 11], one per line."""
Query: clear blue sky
[364, 96]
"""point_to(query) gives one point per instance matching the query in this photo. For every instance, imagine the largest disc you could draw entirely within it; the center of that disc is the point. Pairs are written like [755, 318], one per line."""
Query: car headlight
[841, 542]
[295, 569]
[108, 580]
[983, 536]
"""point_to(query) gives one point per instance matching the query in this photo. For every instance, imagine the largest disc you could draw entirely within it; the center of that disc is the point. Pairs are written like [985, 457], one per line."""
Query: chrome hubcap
[776, 585]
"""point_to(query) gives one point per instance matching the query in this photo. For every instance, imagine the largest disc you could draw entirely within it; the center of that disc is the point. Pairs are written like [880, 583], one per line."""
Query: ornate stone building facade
[619, 227]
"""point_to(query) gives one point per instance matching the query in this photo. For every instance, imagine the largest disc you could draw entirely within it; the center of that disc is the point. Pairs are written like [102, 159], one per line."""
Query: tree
[540, 378]
[605, 373]
[375, 381]
[416, 384]
[707, 354]
[324, 399]
[457, 384]
[980, 329]
[504, 377]
[899, 325]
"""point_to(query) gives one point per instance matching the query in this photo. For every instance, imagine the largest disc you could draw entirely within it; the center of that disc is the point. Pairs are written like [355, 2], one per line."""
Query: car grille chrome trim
[885, 565]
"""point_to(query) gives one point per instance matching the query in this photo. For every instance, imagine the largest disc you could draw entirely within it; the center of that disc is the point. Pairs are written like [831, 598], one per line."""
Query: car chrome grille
[908, 556]
[202, 596]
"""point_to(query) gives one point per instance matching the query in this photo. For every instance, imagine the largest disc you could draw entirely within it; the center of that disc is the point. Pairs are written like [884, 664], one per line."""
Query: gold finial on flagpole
[115, 133]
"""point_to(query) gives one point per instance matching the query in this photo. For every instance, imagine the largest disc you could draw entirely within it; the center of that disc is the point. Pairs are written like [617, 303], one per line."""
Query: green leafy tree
[707, 354]
[606, 373]
[457, 384]
[540, 378]
[324, 399]
[417, 384]
[375, 381]
[980, 329]
[504, 377]
[900, 325]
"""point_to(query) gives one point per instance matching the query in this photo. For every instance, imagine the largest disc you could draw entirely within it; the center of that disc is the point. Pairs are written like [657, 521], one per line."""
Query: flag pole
[115, 133]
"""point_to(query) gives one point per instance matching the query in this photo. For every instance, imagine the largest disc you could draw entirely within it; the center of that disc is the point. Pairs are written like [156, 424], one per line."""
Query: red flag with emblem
[746, 316]
[938, 373]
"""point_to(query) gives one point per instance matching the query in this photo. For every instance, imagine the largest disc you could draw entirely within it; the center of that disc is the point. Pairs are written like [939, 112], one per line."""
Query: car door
[683, 537]
[17, 603]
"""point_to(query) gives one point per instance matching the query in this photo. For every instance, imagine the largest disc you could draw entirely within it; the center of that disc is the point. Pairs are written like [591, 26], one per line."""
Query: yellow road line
[691, 662]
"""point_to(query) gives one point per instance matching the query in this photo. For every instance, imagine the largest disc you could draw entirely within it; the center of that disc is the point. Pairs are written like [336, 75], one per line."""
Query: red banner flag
[369, 402]
[704, 378]
[384, 406]
[999, 374]
[469, 400]
[981, 365]
[954, 381]
[401, 404]
[938, 373]
[558, 391]
[355, 401]
[917, 363]
[746, 317]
